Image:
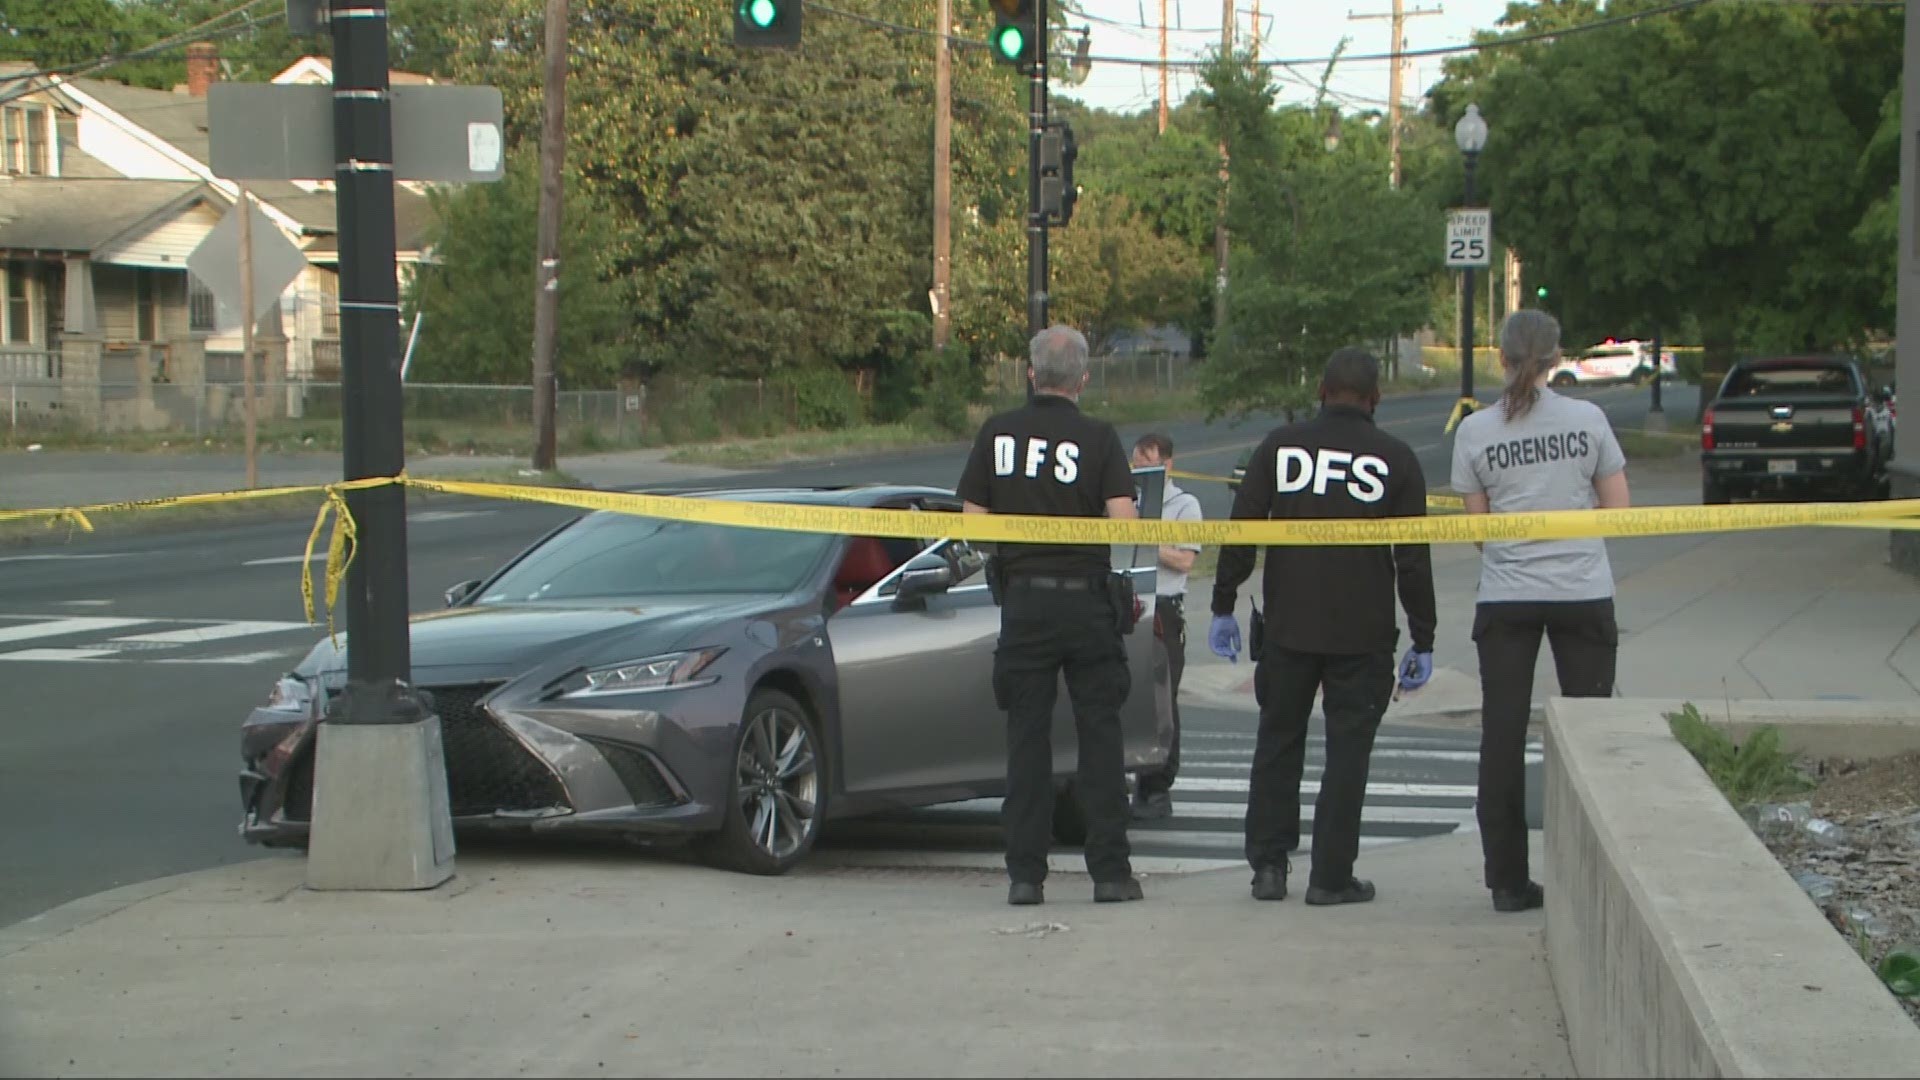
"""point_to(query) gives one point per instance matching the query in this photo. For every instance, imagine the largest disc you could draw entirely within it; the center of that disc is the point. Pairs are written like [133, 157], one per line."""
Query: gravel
[1864, 874]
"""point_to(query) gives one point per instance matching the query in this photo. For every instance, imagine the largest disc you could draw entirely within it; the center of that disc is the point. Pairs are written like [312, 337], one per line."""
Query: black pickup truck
[1799, 425]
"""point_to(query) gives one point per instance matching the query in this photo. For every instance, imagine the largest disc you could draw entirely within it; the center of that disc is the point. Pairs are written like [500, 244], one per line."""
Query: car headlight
[671, 671]
[291, 694]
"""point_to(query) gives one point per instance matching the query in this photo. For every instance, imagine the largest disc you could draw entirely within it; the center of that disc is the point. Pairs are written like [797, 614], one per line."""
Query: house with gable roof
[105, 189]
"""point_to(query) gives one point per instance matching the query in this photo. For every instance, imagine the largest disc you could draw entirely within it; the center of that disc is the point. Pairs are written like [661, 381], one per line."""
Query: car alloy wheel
[778, 791]
[779, 782]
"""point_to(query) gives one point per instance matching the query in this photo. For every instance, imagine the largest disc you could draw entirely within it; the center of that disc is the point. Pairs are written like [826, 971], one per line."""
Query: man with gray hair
[1059, 612]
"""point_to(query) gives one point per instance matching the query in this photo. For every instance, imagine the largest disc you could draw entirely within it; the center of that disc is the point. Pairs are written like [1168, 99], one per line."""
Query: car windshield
[1784, 381]
[617, 555]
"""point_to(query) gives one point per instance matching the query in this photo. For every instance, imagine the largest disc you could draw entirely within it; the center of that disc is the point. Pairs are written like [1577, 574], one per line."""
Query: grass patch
[1682, 440]
[1756, 771]
[246, 511]
[801, 445]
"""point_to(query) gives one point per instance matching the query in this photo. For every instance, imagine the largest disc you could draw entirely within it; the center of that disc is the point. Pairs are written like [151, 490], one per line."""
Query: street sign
[276, 262]
[1469, 238]
[263, 131]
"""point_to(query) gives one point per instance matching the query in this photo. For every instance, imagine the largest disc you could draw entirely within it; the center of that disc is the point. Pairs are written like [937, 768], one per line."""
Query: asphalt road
[117, 765]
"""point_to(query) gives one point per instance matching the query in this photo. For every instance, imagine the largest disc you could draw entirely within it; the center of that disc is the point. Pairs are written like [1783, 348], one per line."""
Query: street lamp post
[1471, 136]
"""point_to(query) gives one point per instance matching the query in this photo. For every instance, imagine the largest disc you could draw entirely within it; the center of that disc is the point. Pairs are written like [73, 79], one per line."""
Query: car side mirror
[461, 591]
[925, 575]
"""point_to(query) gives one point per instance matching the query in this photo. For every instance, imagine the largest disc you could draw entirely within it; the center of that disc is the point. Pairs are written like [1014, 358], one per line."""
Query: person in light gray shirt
[1536, 450]
[1153, 792]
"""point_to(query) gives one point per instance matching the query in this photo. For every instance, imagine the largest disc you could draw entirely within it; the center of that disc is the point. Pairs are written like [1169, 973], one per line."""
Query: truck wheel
[1713, 492]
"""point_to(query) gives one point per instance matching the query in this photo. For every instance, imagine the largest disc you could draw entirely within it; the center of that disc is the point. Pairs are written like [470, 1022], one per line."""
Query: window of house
[23, 139]
[203, 310]
[146, 305]
[19, 314]
[329, 305]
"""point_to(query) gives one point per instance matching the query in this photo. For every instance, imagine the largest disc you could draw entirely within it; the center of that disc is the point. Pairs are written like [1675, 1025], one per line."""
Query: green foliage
[477, 297]
[1112, 272]
[1710, 164]
[1758, 771]
[1326, 254]
[823, 398]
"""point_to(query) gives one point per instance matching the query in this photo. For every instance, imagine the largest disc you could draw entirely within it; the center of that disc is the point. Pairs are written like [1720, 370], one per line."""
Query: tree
[1703, 164]
[772, 210]
[1112, 272]
[476, 295]
[1326, 254]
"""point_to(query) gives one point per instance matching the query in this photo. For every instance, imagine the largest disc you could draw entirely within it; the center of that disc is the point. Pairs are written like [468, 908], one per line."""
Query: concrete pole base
[380, 817]
[1657, 421]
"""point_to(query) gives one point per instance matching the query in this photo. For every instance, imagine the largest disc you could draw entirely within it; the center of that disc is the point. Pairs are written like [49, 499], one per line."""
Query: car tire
[1713, 492]
[1069, 821]
[1562, 381]
[771, 776]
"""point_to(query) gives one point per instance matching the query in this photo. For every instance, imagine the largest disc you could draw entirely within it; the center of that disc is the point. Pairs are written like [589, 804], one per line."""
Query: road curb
[74, 914]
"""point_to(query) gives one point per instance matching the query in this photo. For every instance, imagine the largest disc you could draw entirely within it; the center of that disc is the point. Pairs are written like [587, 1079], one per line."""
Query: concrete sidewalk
[1792, 615]
[622, 964]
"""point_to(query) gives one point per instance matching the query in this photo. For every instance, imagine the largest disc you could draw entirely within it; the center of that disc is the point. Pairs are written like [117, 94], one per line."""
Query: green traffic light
[1541, 292]
[1011, 42]
[761, 13]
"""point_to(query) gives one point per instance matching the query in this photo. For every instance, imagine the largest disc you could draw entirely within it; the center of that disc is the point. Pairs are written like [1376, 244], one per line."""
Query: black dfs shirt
[1051, 459]
[1334, 600]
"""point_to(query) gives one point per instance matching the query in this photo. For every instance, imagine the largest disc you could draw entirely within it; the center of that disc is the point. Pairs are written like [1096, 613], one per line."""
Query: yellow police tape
[1461, 410]
[1903, 514]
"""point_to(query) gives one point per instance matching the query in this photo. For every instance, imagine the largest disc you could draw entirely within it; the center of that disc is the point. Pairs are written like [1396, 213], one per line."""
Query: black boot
[1525, 898]
[1270, 882]
[1354, 891]
[1024, 893]
[1114, 892]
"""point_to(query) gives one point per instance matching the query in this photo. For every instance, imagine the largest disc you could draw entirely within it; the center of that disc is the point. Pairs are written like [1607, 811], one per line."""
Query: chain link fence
[664, 411]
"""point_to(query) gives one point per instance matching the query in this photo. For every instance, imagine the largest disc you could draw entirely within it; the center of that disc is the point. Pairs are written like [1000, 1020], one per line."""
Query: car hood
[518, 637]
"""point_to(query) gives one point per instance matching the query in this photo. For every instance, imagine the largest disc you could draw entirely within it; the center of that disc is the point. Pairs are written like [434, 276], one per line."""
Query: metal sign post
[380, 814]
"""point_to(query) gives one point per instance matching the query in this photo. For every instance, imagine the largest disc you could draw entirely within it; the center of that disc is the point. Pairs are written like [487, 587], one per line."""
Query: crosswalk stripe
[78, 624]
[1470, 757]
[59, 654]
[229, 658]
[1312, 787]
[193, 635]
[1405, 815]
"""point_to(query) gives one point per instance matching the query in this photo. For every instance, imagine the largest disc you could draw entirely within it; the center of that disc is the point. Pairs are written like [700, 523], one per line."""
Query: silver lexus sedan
[737, 687]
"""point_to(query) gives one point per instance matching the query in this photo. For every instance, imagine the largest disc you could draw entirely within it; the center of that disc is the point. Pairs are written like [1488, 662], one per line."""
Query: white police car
[1612, 362]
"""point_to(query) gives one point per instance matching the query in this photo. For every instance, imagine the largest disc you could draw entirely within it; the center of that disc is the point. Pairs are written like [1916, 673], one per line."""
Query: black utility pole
[1036, 219]
[1466, 312]
[379, 662]
[1657, 372]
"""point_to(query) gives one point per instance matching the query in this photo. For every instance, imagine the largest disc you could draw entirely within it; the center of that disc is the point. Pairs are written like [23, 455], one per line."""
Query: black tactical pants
[1585, 641]
[1356, 690]
[1044, 632]
[1171, 623]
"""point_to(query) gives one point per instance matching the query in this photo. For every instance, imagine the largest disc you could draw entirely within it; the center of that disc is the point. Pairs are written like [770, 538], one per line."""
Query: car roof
[1798, 361]
[850, 495]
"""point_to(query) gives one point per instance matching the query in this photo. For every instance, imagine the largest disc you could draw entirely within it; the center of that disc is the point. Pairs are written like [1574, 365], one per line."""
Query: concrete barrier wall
[1678, 945]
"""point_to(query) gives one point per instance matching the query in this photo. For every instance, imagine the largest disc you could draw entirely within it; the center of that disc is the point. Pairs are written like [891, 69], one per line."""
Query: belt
[1060, 584]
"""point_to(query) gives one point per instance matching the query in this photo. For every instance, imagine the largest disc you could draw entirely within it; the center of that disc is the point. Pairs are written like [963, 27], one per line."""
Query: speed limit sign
[1470, 238]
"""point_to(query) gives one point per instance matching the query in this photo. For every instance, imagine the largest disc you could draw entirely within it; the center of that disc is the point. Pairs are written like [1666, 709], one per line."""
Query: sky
[1288, 29]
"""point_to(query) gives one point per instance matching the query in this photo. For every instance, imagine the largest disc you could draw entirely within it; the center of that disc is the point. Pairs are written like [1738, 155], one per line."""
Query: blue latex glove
[1415, 669]
[1223, 637]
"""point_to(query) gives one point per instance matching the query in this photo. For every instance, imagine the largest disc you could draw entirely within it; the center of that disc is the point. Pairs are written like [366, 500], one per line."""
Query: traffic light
[766, 24]
[1541, 292]
[1015, 31]
[1057, 190]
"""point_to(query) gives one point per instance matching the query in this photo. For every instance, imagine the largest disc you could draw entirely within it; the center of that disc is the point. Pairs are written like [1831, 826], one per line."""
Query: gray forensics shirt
[1546, 460]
